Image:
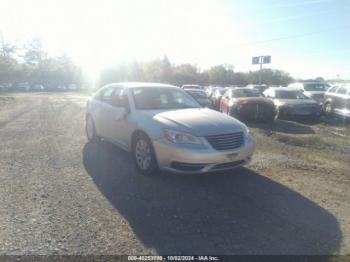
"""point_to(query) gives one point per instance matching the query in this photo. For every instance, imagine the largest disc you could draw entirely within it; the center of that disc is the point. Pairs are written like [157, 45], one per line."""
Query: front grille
[226, 141]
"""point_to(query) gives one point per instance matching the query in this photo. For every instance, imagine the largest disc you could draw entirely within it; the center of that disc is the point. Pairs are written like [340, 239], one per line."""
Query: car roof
[256, 85]
[282, 89]
[141, 84]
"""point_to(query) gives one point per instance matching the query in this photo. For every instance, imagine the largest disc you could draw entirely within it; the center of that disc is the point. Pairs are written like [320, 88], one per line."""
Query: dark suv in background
[337, 101]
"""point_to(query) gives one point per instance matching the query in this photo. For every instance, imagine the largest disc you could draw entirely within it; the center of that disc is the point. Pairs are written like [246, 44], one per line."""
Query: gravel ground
[62, 195]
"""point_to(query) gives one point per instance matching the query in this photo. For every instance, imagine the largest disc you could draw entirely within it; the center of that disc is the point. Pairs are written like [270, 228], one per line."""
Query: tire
[143, 154]
[91, 130]
[328, 109]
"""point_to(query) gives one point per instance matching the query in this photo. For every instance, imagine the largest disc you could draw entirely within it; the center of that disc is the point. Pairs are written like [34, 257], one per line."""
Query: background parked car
[247, 104]
[72, 87]
[293, 103]
[216, 96]
[200, 96]
[25, 86]
[312, 89]
[261, 88]
[5, 87]
[37, 87]
[337, 101]
[192, 87]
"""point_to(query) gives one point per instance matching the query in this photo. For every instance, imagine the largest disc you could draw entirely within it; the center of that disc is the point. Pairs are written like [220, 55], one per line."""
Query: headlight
[178, 137]
[245, 129]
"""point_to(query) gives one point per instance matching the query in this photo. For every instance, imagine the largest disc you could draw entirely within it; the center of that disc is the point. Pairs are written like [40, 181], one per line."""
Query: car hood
[197, 121]
[314, 92]
[253, 100]
[294, 102]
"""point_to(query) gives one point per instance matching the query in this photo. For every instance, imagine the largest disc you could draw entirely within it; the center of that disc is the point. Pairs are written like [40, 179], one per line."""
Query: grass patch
[302, 140]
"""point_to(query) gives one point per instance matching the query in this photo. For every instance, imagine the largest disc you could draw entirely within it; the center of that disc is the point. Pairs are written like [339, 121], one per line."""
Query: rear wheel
[143, 154]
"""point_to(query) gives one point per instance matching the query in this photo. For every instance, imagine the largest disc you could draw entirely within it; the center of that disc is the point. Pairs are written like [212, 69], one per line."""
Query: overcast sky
[307, 38]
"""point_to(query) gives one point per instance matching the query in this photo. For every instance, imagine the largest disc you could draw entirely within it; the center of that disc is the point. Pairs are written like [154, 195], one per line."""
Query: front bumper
[258, 112]
[290, 111]
[178, 159]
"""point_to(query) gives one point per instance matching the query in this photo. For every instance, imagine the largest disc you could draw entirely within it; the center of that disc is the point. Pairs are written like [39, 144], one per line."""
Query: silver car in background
[200, 96]
[164, 127]
[312, 89]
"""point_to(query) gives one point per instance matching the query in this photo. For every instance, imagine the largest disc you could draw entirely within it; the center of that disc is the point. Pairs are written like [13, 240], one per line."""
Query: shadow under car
[236, 212]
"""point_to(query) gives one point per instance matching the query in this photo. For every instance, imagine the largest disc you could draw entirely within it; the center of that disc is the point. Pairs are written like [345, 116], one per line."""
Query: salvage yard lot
[60, 194]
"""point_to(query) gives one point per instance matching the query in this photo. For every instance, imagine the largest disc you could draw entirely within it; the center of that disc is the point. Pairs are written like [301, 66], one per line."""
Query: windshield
[245, 93]
[162, 98]
[284, 94]
[196, 94]
[315, 87]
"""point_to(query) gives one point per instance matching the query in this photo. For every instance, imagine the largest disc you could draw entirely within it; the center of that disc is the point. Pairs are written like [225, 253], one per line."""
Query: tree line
[161, 70]
[32, 64]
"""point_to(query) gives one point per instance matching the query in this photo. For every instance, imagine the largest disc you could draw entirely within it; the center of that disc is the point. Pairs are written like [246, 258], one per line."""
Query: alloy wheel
[143, 154]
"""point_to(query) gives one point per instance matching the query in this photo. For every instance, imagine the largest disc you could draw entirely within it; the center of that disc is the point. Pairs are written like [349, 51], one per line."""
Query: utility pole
[260, 72]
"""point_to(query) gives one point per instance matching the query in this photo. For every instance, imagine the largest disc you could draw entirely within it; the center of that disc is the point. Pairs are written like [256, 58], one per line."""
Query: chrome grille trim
[226, 141]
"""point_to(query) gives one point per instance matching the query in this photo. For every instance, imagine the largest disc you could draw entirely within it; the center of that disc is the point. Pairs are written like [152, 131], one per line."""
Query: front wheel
[90, 129]
[328, 110]
[144, 156]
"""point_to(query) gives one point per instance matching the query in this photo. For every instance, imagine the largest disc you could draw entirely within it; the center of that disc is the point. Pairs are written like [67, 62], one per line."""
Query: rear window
[284, 94]
[246, 93]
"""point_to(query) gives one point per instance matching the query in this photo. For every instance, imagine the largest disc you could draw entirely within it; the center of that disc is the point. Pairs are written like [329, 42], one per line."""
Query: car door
[100, 108]
[117, 118]
[331, 96]
[340, 98]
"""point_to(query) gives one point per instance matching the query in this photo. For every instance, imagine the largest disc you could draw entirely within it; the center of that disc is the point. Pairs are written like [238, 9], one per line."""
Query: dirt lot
[61, 195]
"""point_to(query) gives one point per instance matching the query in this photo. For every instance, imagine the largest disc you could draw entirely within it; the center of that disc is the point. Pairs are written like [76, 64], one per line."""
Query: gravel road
[62, 195]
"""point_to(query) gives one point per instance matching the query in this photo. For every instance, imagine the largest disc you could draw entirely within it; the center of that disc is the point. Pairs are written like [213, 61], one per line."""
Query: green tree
[9, 68]
[221, 75]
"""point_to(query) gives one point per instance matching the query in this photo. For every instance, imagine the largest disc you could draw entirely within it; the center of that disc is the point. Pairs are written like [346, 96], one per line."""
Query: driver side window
[120, 99]
[106, 94]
